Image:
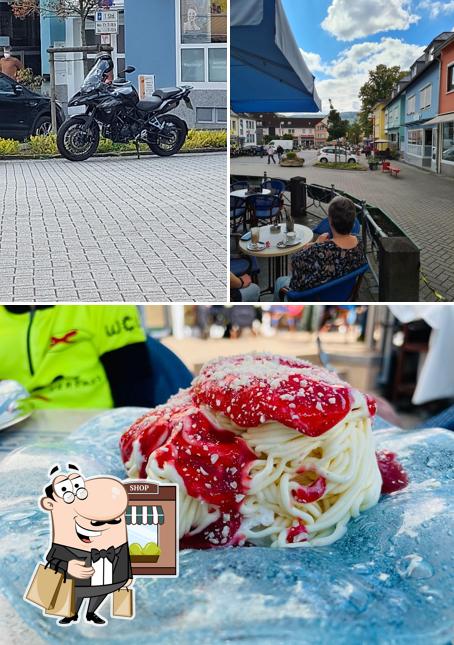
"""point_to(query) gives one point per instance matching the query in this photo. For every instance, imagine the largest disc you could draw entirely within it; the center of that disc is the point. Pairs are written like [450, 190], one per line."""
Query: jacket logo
[64, 340]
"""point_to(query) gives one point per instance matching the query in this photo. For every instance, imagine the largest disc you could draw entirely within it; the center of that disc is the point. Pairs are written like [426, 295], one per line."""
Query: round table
[277, 258]
[242, 193]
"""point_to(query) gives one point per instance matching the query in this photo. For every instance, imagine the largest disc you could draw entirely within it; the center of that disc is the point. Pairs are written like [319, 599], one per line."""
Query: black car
[23, 112]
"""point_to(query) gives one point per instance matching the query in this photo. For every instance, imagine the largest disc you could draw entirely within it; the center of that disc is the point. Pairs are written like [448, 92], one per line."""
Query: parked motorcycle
[115, 111]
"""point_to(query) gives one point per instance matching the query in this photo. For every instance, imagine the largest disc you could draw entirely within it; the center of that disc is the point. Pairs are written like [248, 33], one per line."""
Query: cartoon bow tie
[104, 553]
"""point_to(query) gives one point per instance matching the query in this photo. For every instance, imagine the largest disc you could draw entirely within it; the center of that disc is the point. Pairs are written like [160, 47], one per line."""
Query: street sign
[4, 41]
[106, 22]
[146, 86]
[105, 39]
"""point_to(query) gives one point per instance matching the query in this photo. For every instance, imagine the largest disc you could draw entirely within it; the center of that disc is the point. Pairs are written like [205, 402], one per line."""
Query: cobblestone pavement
[114, 229]
[421, 203]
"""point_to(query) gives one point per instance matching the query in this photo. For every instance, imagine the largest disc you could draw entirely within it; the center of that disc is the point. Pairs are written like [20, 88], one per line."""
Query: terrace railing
[393, 257]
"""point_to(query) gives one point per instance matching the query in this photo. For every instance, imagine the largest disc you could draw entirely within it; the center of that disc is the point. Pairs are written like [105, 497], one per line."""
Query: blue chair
[239, 185]
[237, 213]
[169, 373]
[277, 186]
[324, 227]
[342, 289]
[242, 265]
[265, 208]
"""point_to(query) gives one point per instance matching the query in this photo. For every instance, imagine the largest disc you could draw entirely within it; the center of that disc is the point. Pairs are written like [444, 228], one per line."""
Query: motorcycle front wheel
[175, 135]
[76, 140]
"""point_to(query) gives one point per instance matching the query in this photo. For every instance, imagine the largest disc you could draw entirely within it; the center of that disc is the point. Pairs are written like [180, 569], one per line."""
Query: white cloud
[435, 7]
[314, 61]
[346, 73]
[351, 19]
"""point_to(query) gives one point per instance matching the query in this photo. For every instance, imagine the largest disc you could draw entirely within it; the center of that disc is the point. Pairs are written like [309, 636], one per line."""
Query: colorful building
[243, 130]
[302, 129]
[179, 42]
[443, 123]
[395, 116]
[378, 125]
[421, 106]
[321, 133]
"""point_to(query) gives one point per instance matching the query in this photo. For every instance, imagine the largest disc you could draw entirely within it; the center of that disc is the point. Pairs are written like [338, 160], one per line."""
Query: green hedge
[46, 145]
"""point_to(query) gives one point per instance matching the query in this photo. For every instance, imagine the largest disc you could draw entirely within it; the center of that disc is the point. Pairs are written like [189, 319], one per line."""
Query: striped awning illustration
[144, 514]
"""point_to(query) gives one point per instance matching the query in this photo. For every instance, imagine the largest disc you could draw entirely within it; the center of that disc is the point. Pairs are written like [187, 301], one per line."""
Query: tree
[378, 87]
[337, 127]
[60, 8]
[354, 132]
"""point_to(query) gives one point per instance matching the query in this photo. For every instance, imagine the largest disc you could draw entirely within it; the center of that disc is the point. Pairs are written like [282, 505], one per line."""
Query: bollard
[298, 197]
[398, 270]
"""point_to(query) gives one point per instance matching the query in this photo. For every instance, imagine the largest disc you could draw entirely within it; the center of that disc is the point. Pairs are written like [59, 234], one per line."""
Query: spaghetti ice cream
[266, 449]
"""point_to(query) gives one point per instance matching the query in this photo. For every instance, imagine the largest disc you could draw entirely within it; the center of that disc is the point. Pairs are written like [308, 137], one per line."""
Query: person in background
[271, 150]
[280, 152]
[10, 65]
[327, 259]
[242, 289]
[76, 356]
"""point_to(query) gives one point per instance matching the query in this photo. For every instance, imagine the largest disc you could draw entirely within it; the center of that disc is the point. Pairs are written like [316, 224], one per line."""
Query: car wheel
[43, 126]
[323, 160]
[352, 160]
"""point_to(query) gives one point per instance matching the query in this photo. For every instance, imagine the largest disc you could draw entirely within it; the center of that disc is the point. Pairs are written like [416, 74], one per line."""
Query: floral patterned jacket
[322, 262]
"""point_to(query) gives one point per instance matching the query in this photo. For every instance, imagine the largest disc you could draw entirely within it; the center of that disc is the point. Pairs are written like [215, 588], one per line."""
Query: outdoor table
[277, 258]
[242, 193]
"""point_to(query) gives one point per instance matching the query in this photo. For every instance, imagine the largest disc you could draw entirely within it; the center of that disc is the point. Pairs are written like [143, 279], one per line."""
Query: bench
[385, 166]
[394, 171]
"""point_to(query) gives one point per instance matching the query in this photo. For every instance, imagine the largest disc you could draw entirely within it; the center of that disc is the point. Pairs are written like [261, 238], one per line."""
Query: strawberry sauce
[253, 389]
[393, 475]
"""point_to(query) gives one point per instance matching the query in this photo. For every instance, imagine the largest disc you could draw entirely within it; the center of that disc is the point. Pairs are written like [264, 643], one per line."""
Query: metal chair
[239, 185]
[324, 227]
[344, 289]
[265, 209]
[242, 265]
[237, 213]
[277, 186]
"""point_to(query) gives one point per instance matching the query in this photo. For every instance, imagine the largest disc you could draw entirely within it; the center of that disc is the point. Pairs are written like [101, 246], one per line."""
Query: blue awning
[267, 69]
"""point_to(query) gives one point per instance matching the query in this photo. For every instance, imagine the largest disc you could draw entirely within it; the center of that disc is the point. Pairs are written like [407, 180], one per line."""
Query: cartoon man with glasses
[89, 537]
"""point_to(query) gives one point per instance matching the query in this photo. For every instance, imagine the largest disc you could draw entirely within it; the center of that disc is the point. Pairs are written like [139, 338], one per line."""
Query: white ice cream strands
[315, 465]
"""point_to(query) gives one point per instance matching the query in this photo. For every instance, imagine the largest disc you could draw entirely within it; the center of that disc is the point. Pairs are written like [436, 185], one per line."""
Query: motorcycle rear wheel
[167, 147]
[75, 142]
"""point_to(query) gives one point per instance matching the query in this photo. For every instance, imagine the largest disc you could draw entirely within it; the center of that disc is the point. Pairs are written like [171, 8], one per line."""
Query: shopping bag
[123, 603]
[64, 603]
[44, 586]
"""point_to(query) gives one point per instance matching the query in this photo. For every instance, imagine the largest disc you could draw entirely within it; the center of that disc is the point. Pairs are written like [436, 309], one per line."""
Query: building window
[415, 142]
[204, 115]
[221, 115]
[411, 104]
[450, 86]
[448, 142]
[425, 97]
[201, 39]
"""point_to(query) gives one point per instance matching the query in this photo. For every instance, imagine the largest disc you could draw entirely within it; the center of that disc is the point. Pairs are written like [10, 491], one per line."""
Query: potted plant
[373, 163]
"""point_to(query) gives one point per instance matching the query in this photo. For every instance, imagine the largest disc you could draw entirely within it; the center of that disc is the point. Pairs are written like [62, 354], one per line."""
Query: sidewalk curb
[129, 153]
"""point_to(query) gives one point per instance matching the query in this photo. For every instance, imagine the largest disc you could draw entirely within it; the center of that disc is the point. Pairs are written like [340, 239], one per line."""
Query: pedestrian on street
[280, 152]
[271, 152]
[10, 65]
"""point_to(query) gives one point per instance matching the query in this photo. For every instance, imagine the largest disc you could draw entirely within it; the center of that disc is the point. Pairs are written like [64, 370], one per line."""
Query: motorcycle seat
[167, 92]
[149, 105]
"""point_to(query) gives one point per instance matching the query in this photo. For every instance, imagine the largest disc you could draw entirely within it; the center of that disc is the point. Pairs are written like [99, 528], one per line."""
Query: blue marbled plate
[389, 580]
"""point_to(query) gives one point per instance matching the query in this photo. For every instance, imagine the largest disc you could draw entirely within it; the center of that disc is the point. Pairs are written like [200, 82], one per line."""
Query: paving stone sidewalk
[420, 202]
[108, 229]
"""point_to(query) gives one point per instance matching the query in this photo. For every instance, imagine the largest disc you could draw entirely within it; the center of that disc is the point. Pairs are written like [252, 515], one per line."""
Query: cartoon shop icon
[152, 523]
[89, 552]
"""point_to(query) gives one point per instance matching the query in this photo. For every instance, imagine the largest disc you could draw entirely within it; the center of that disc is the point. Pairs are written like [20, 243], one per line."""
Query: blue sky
[342, 39]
